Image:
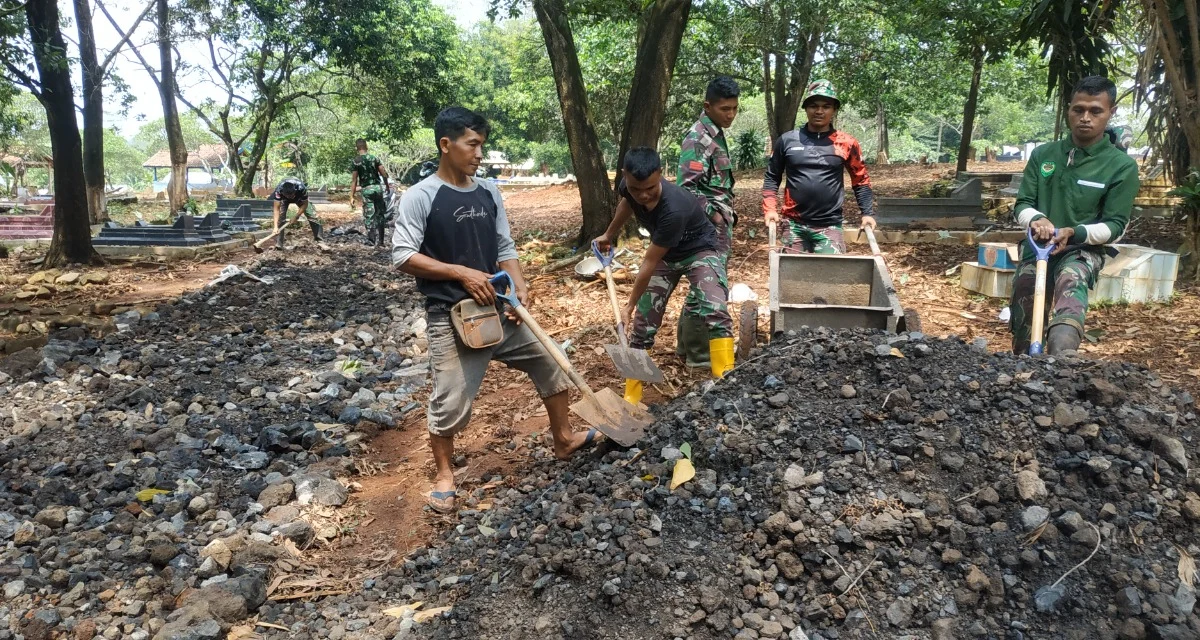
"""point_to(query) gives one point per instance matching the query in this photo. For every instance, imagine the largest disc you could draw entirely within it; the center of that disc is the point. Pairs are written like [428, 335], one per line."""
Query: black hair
[361, 143]
[453, 122]
[641, 162]
[288, 188]
[1096, 85]
[722, 88]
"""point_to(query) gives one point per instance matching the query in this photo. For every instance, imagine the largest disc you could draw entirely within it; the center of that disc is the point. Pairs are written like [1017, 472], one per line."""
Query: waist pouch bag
[478, 326]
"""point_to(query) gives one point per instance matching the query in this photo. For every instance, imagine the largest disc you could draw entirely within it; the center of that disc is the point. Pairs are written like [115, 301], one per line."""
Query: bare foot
[564, 449]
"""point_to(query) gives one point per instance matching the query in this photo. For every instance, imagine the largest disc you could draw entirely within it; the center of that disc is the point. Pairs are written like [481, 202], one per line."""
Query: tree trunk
[662, 27]
[72, 241]
[881, 129]
[968, 127]
[595, 192]
[791, 80]
[244, 185]
[177, 194]
[93, 114]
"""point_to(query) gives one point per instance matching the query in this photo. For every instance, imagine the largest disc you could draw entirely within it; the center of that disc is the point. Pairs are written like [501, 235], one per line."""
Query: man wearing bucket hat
[811, 160]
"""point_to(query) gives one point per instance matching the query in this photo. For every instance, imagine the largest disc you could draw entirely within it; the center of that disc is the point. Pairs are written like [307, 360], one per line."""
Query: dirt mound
[850, 486]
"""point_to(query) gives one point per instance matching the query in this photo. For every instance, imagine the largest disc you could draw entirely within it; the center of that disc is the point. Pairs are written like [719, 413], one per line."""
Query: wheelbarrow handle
[1040, 252]
[604, 258]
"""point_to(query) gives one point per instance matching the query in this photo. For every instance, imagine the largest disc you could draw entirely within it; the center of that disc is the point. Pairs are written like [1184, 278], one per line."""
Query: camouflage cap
[821, 89]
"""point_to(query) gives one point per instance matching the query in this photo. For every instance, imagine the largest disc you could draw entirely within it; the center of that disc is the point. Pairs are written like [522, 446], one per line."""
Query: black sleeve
[865, 198]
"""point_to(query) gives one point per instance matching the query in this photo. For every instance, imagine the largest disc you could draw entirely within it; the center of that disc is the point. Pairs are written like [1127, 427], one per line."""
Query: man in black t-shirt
[683, 242]
[451, 233]
[294, 191]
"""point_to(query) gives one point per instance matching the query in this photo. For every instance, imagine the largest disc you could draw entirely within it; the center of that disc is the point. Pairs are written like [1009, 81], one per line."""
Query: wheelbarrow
[837, 291]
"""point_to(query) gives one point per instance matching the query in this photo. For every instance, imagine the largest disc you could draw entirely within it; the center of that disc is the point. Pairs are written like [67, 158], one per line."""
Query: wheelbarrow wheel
[747, 329]
[912, 322]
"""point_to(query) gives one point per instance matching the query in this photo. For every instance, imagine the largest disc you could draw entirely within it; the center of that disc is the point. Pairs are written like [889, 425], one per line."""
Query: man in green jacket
[1077, 192]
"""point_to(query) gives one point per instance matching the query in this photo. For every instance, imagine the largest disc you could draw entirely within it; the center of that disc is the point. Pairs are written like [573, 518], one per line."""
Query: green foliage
[151, 137]
[1189, 191]
[554, 156]
[1072, 35]
[123, 162]
[748, 150]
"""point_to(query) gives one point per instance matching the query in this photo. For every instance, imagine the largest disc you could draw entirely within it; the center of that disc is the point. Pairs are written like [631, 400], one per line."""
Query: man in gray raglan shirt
[452, 234]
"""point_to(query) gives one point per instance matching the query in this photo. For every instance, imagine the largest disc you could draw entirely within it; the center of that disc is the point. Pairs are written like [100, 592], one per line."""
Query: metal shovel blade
[634, 364]
[624, 423]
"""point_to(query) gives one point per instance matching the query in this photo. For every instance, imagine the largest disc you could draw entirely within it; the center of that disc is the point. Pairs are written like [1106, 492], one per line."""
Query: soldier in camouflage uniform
[706, 169]
[1077, 193]
[366, 172]
[682, 243]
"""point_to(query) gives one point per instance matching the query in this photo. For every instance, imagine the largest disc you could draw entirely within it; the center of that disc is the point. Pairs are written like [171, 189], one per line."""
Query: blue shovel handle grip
[503, 282]
[1041, 252]
[604, 258]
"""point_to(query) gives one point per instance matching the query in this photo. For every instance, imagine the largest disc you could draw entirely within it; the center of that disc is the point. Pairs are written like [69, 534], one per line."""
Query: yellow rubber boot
[633, 391]
[721, 352]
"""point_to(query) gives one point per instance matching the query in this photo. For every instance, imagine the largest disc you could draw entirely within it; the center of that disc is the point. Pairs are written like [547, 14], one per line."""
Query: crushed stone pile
[152, 481]
[848, 485]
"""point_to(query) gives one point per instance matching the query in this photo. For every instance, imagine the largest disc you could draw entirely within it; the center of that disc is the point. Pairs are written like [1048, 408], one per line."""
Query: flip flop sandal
[442, 501]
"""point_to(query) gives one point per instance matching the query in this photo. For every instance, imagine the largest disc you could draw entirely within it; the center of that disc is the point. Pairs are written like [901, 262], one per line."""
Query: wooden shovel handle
[286, 224]
[1039, 307]
[559, 357]
[616, 306]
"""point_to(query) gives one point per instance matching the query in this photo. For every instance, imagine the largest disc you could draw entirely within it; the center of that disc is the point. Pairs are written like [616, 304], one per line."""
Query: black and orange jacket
[813, 163]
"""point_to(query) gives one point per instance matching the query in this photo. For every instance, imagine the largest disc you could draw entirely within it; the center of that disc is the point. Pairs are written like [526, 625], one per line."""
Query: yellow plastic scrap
[146, 495]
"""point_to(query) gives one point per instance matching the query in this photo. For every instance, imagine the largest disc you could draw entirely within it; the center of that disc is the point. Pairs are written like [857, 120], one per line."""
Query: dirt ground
[509, 425]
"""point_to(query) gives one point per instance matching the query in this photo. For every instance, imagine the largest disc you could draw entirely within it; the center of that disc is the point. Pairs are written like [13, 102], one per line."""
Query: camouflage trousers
[725, 237]
[373, 206]
[709, 291]
[801, 238]
[307, 209]
[1068, 278]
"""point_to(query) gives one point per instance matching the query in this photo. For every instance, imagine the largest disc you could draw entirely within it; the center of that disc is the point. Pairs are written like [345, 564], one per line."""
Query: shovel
[624, 423]
[634, 364]
[1039, 292]
[258, 246]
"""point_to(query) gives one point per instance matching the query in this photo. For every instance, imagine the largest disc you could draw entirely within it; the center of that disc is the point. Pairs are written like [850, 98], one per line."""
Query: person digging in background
[706, 169]
[1077, 192]
[812, 159]
[452, 233]
[682, 243]
[289, 192]
[367, 172]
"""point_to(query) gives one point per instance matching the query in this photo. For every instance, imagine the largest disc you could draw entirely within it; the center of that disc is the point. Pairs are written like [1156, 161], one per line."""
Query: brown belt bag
[478, 326]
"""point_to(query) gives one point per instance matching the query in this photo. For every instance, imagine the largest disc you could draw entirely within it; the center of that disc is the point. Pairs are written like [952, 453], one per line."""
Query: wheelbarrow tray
[836, 291]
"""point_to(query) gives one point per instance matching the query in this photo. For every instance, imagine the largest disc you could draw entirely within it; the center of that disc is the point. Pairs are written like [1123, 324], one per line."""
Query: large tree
[660, 32]
[1073, 38]
[42, 42]
[595, 191]
[94, 71]
[390, 57]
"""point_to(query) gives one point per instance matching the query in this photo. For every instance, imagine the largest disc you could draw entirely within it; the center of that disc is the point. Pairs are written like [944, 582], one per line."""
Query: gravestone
[1013, 186]
[28, 226]
[238, 221]
[259, 208]
[184, 233]
[963, 209]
